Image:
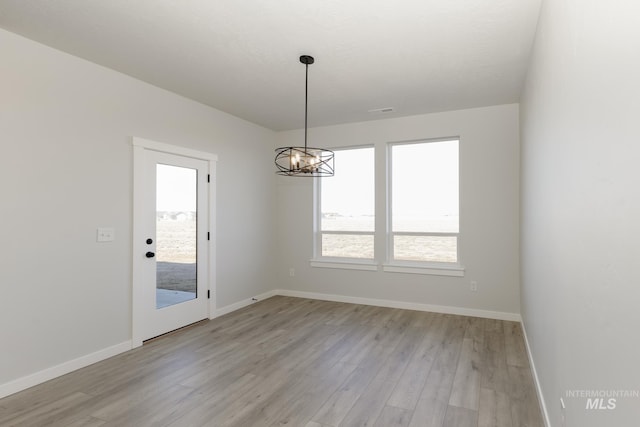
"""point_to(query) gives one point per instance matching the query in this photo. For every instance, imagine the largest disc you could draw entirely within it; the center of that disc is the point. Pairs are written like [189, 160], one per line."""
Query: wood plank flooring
[302, 363]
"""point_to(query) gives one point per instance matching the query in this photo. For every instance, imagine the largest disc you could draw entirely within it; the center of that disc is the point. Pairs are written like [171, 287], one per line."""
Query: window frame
[383, 234]
[416, 266]
[318, 259]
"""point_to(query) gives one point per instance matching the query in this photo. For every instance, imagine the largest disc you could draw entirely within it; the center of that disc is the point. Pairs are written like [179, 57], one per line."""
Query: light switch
[106, 234]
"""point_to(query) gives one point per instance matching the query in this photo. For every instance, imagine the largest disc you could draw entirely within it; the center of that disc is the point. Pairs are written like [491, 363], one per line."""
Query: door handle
[150, 254]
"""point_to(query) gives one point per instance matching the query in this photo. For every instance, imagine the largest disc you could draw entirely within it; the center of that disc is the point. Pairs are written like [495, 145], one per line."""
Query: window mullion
[348, 233]
[423, 233]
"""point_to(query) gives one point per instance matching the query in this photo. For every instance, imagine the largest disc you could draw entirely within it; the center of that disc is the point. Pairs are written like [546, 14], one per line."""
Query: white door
[171, 236]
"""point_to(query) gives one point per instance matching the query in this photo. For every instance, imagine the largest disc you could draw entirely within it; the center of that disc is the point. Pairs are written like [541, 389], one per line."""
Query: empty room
[320, 213]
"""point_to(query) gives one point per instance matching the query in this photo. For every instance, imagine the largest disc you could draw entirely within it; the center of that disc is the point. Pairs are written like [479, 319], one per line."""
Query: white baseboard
[543, 405]
[62, 369]
[514, 317]
[241, 304]
[72, 365]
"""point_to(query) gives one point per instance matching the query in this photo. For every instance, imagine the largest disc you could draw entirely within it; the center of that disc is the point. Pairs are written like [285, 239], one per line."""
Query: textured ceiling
[241, 56]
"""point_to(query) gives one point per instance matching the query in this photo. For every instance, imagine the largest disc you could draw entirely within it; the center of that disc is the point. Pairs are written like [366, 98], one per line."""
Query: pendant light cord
[306, 97]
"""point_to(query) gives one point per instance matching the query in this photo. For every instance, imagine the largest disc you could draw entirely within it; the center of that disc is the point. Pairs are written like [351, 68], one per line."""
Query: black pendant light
[304, 161]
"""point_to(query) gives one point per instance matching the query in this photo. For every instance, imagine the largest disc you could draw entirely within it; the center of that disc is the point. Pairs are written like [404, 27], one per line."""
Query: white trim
[62, 369]
[344, 264]
[348, 233]
[172, 149]
[461, 311]
[213, 236]
[245, 302]
[139, 194]
[137, 294]
[457, 271]
[317, 217]
[83, 361]
[425, 233]
[536, 380]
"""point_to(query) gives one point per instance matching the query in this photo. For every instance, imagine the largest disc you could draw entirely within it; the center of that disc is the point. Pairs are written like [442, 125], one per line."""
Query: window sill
[436, 270]
[454, 270]
[365, 265]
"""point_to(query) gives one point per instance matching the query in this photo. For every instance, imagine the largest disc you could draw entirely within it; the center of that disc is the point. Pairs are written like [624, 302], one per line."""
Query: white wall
[489, 172]
[66, 168]
[581, 207]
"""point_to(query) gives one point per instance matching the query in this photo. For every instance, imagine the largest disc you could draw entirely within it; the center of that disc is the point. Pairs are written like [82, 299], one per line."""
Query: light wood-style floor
[297, 362]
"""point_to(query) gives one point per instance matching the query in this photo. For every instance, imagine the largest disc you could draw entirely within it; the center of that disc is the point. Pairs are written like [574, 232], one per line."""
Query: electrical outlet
[292, 272]
[474, 286]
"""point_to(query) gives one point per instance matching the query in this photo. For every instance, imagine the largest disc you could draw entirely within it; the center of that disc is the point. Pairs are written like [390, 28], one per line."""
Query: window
[345, 218]
[423, 215]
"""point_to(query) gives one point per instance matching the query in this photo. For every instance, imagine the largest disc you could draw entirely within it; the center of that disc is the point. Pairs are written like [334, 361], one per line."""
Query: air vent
[385, 110]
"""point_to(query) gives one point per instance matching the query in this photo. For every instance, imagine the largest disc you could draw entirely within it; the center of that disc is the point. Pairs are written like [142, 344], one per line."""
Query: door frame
[140, 145]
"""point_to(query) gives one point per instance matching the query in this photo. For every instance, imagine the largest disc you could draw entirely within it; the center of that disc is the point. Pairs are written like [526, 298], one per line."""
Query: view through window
[425, 202]
[347, 206]
[422, 180]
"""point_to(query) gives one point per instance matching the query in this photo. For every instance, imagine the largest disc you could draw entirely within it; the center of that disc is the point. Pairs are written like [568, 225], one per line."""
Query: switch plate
[292, 272]
[106, 234]
[474, 286]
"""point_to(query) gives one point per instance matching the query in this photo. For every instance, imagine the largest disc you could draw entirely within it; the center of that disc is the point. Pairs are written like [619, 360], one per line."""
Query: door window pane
[176, 267]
